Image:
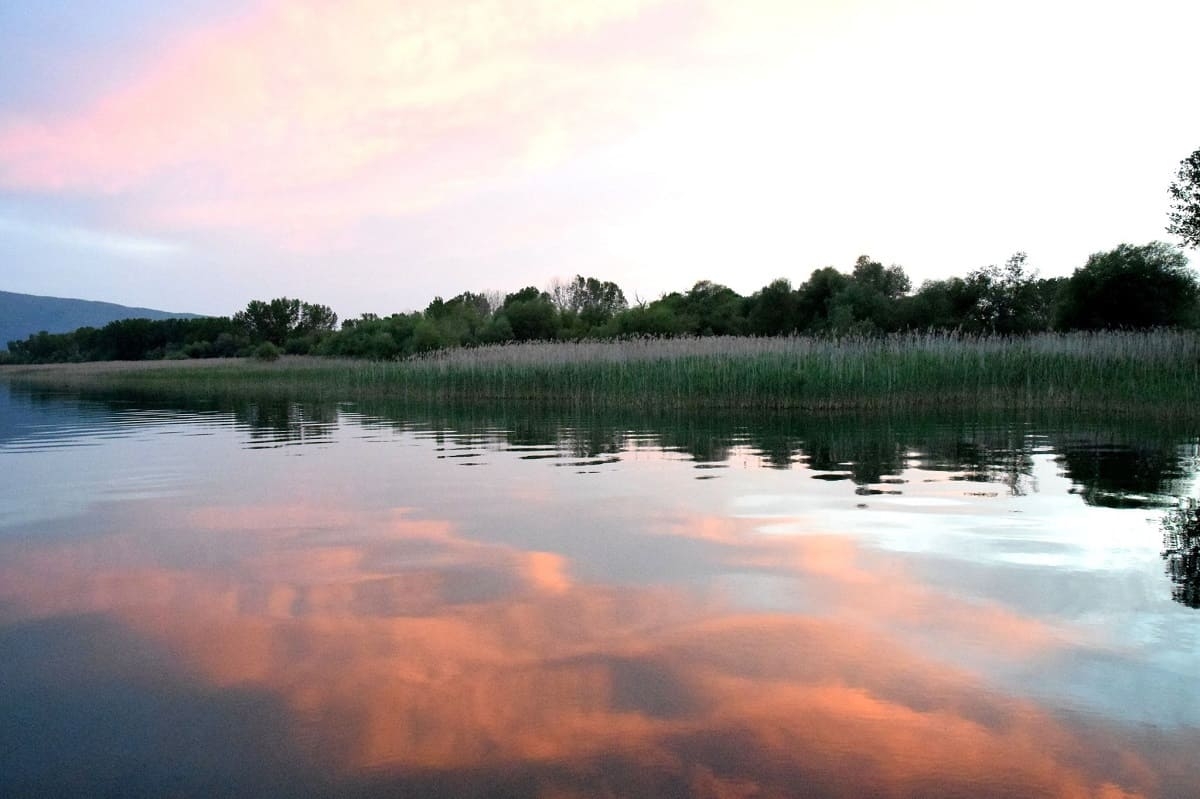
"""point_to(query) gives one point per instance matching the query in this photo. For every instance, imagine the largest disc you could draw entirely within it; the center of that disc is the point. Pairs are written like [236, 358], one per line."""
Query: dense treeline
[1130, 287]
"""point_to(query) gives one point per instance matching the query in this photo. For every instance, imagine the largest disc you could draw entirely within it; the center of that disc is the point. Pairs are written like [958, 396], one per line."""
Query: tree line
[1129, 287]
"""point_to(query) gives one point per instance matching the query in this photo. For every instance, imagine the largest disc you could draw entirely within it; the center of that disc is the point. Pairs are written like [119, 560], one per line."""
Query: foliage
[816, 299]
[266, 352]
[1151, 372]
[1184, 215]
[284, 318]
[531, 315]
[1131, 287]
[590, 302]
[773, 310]
[1006, 298]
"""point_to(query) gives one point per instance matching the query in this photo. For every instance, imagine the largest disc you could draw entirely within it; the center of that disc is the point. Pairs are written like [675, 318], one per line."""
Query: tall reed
[1117, 371]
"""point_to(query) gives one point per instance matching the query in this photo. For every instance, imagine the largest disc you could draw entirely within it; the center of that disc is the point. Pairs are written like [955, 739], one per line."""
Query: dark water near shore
[307, 599]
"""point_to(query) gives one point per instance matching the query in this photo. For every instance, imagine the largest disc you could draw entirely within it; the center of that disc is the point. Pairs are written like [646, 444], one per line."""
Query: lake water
[305, 599]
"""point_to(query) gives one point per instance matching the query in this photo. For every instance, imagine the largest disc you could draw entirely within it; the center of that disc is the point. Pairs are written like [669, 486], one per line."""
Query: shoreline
[1155, 373]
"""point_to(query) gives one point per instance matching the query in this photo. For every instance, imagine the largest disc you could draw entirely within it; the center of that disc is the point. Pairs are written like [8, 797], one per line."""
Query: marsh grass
[1155, 371]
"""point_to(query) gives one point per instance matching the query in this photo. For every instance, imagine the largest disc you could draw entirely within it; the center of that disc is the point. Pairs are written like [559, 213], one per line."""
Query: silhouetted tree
[1007, 299]
[1185, 202]
[1131, 287]
[891, 281]
[773, 311]
[869, 301]
[940, 305]
[815, 298]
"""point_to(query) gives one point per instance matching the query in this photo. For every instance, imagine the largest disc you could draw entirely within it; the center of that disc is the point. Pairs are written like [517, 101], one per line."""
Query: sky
[372, 154]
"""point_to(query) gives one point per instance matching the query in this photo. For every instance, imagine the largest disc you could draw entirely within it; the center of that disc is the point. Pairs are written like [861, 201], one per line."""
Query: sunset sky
[371, 154]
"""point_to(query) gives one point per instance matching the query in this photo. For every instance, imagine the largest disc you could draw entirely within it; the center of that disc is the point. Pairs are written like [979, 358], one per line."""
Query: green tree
[1185, 202]
[1007, 299]
[869, 303]
[891, 281]
[658, 318]
[717, 310]
[283, 318]
[815, 299]
[461, 320]
[316, 318]
[530, 314]
[773, 310]
[1131, 287]
[591, 301]
[941, 305]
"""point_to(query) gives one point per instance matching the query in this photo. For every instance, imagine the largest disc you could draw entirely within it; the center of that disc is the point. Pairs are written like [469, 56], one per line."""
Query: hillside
[22, 315]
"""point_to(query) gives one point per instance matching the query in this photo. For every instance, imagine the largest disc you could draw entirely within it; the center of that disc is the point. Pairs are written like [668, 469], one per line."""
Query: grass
[1119, 372]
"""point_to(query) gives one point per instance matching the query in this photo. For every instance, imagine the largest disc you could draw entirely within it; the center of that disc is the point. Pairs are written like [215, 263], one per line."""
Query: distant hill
[22, 315]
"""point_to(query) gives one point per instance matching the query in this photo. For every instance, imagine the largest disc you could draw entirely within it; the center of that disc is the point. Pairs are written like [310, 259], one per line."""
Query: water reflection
[1114, 463]
[1181, 551]
[373, 620]
[278, 423]
[409, 657]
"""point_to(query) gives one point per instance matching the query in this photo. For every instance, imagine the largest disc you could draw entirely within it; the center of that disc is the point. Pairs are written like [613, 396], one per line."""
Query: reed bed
[1112, 371]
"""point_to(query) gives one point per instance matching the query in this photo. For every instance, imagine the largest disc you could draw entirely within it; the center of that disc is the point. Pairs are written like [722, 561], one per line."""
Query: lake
[316, 599]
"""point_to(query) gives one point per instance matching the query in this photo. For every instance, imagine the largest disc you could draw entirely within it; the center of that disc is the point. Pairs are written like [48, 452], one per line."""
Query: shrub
[266, 352]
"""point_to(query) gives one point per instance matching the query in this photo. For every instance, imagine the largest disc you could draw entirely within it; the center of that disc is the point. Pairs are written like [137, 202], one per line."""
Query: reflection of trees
[1111, 462]
[280, 422]
[981, 454]
[1181, 551]
[1112, 474]
[267, 421]
[867, 459]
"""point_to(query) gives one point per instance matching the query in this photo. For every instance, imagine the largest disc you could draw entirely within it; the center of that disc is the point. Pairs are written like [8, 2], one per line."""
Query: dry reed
[1117, 371]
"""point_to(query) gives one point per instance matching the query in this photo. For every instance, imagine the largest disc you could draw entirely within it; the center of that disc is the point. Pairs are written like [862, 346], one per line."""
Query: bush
[266, 352]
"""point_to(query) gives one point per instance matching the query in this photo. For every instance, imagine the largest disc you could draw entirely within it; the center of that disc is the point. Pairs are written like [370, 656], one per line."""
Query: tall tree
[281, 318]
[529, 314]
[1185, 205]
[1131, 287]
[891, 282]
[1007, 297]
[595, 301]
[773, 310]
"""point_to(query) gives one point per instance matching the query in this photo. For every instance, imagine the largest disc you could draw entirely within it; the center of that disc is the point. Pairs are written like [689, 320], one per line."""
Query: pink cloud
[306, 114]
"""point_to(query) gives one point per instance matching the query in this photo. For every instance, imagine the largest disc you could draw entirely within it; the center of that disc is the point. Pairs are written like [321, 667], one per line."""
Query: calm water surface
[305, 599]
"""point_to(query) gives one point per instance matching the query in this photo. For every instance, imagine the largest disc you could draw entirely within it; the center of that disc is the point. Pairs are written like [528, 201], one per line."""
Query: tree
[869, 302]
[1185, 205]
[1131, 287]
[1007, 297]
[587, 301]
[530, 314]
[815, 298]
[283, 318]
[316, 318]
[891, 282]
[941, 305]
[773, 310]
[460, 320]
[716, 309]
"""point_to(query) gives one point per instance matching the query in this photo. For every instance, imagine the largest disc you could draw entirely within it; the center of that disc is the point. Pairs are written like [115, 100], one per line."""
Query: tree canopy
[1185, 202]
[1127, 287]
[1131, 287]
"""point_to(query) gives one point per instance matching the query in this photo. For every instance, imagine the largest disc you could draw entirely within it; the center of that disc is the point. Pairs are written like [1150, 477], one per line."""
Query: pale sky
[371, 154]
